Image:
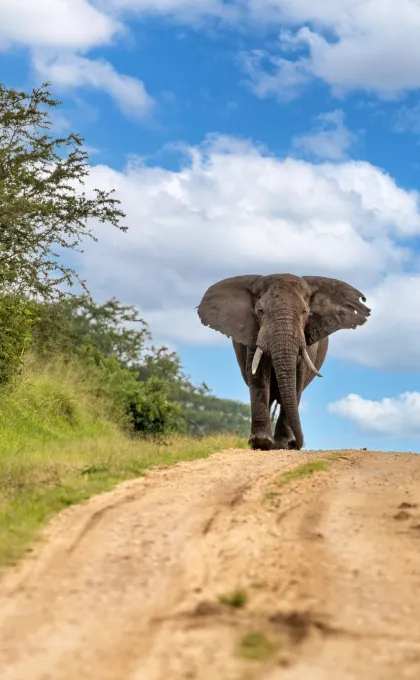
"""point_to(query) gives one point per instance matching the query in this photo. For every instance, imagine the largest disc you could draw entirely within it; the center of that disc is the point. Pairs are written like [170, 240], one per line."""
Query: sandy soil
[127, 586]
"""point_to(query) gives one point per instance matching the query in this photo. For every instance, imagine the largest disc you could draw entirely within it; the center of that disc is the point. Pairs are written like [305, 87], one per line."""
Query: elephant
[279, 326]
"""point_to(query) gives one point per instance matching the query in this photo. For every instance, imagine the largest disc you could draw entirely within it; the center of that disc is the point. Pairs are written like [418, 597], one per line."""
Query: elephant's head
[279, 316]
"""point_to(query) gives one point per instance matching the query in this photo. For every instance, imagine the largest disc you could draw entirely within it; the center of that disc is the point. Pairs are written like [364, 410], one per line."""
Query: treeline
[43, 213]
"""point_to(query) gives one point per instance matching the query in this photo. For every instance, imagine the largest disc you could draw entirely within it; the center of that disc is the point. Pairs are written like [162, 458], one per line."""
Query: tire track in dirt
[86, 602]
[127, 586]
[369, 565]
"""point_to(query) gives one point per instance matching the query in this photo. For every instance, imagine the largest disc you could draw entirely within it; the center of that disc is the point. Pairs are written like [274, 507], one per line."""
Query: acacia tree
[43, 212]
[43, 208]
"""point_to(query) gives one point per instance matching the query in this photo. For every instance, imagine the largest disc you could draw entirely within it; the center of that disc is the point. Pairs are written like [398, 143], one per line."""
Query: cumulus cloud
[349, 44]
[72, 71]
[68, 24]
[57, 31]
[276, 76]
[390, 338]
[331, 139]
[393, 417]
[233, 208]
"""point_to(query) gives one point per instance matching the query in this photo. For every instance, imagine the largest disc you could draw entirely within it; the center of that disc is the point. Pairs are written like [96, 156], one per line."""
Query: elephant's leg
[283, 435]
[259, 389]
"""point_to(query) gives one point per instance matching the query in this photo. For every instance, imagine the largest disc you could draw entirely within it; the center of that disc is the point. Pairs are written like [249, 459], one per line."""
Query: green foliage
[53, 334]
[203, 412]
[142, 408]
[149, 391]
[53, 403]
[17, 317]
[70, 324]
[42, 207]
[43, 212]
[207, 414]
[237, 599]
[108, 327]
[152, 412]
[99, 337]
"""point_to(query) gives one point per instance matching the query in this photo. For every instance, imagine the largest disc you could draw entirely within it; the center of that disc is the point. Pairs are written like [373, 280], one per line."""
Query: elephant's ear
[228, 307]
[333, 305]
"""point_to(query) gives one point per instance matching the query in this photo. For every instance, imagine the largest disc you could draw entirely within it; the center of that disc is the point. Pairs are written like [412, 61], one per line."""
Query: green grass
[53, 404]
[300, 472]
[237, 599]
[304, 470]
[57, 448]
[255, 646]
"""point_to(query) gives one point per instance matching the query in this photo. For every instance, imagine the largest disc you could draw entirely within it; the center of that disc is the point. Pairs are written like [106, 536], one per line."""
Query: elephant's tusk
[256, 360]
[306, 358]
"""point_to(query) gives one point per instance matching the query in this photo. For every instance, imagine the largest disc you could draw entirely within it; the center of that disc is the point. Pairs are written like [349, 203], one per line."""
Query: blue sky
[250, 137]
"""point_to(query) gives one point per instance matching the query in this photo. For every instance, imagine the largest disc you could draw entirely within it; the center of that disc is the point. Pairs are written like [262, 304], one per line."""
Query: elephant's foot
[264, 442]
[285, 443]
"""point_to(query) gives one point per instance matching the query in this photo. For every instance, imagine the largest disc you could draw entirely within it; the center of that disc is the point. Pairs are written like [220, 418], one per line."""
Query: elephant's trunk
[284, 353]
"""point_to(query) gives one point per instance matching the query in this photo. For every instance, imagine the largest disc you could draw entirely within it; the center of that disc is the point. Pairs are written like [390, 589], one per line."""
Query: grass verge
[57, 449]
[34, 486]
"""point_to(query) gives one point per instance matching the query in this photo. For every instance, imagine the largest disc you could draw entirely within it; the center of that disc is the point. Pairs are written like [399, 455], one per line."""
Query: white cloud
[347, 43]
[274, 76]
[350, 44]
[56, 31]
[393, 417]
[371, 45]
[188, 11]
[68, 24]
[330, 139]
[390, 338]
[231, 209]
[72, 71]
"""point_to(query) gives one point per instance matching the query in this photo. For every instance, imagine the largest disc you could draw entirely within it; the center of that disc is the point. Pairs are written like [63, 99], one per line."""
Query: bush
[141, 407]
[17, 318]
[151, 411]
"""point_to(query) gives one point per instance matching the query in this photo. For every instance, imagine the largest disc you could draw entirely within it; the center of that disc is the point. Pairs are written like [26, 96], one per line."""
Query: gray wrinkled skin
[281, 314]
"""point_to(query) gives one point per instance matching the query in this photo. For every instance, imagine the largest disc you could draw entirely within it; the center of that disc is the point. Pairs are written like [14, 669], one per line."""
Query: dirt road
[127, 586]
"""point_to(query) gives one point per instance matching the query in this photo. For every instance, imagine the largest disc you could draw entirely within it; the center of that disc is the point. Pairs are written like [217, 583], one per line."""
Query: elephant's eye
[259, 310]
